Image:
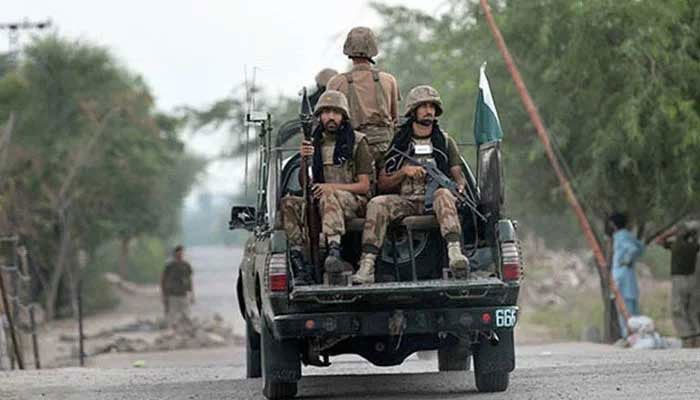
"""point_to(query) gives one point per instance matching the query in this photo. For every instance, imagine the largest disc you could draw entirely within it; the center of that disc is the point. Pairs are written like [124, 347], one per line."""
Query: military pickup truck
[415, 304]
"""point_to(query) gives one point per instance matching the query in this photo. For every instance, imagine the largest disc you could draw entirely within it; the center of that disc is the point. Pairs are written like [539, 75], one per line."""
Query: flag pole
[544, 137]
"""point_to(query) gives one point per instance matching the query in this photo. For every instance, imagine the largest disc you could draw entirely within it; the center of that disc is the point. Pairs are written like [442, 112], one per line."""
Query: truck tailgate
[491, 289]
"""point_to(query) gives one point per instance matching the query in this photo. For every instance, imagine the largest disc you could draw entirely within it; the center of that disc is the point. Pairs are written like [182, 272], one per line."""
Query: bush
[146, 259]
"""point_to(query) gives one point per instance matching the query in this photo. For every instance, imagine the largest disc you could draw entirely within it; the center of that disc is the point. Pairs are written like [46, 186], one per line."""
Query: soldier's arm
[395, 97]
[389, 183]
[458, 177]
[190, 288]
[359, 187]
[455, 163]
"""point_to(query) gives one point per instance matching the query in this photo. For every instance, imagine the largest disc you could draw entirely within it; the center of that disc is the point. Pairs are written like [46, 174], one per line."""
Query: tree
[617, 83]
[92, 159]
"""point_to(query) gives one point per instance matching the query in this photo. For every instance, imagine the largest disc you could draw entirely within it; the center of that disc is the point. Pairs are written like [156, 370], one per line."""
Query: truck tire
[252, 352]
[493, 363]
[453, 358]
[281, 365]
[492, 382]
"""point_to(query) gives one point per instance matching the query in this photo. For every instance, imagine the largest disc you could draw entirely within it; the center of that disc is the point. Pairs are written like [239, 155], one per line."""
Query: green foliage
[91, 159]
[147, 256]
[97, 293]
[616, 83]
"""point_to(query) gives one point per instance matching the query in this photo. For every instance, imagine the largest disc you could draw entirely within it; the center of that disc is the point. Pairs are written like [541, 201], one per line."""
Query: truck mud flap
[490, 358]
[280, 358]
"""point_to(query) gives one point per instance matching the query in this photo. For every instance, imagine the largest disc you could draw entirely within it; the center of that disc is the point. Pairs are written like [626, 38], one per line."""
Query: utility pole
[15, 28]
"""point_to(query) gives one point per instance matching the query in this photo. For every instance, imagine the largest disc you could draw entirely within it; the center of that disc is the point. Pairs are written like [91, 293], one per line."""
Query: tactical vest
[343, 173]
[423, 151]
[378, 129]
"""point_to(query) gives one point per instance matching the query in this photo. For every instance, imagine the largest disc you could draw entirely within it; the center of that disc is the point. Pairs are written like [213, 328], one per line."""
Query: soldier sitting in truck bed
[342, 165]
[422, 138]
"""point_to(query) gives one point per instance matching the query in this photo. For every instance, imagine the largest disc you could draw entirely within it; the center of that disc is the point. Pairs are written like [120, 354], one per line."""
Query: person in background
[626, 250]
[176, 289]
[321, 79]
[682, 240]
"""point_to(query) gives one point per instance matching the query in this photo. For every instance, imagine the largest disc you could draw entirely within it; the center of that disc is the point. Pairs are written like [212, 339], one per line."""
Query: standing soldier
[420, 137]
[342, 165]
[322, 79]
[684, 289]
[373, 95]
[176, 289]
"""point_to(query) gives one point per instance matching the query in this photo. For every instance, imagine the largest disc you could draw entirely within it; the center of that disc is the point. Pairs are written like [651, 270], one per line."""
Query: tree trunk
[124, 256]
[611, 327]
[60, 266]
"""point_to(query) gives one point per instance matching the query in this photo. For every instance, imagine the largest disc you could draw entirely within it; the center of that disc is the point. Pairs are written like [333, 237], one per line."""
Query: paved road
[555, 371]
[559, 371]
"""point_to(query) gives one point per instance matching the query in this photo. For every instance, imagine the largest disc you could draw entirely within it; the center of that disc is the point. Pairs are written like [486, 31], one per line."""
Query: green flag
[487, 126]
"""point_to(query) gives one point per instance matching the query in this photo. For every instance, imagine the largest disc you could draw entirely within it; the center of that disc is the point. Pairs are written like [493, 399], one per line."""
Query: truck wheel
[492, 382]
[252, 351]
[493, 362]
[453, 358]
[281, 365]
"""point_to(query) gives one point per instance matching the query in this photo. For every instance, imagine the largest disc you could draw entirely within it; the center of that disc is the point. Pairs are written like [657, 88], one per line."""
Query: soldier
[373, 95]
[684, 293]
[176, 289]
[342, 165]
[421, 137]
[322, 79]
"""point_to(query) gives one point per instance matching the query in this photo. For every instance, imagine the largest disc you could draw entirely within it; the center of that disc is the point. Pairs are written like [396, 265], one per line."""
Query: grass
[585, 308]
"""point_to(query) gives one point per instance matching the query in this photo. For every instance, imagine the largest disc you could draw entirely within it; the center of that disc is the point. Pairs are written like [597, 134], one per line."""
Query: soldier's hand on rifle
[307, 148]
[323, 188]
[460, 187]
[413, 171]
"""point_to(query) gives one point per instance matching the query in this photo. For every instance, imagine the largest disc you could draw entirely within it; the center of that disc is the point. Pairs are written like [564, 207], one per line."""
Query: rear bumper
[380, 323]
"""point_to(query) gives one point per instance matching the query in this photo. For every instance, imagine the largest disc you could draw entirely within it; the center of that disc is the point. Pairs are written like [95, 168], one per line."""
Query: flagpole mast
[544, 137]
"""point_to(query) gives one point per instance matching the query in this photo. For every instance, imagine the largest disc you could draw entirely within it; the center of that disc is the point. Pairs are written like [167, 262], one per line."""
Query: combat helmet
[420, 95]
[324, 76]
[361, 42]
[332, 99]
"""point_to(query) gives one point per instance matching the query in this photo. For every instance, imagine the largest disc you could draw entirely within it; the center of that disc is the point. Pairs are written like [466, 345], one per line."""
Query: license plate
[506, 317]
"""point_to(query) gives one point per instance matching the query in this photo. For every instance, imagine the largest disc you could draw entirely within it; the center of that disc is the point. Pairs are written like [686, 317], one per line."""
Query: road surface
[558, 371]
[544, 371]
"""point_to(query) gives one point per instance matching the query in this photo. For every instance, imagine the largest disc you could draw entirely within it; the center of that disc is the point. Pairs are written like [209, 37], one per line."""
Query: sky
[195, 52]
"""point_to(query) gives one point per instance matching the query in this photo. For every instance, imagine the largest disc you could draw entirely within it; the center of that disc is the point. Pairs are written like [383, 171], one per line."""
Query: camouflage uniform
[373, 95]
[338, 206]
[382, 210]
[176, 283]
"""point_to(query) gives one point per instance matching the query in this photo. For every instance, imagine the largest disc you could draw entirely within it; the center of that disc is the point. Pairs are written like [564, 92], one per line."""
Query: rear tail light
[510, 259]
[277, 273]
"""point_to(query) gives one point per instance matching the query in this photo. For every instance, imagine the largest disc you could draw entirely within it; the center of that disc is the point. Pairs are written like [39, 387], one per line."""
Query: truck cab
[415, 304]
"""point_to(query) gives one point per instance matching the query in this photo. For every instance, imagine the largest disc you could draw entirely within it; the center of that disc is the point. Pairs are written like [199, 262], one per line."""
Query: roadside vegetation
[92, 174]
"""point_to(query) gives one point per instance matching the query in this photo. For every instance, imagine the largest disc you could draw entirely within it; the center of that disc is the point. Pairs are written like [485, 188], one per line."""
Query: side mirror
[242, 217]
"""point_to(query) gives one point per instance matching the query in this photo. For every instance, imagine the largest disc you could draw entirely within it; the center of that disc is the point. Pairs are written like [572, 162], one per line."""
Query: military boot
[459, 263]
[302, 272]
[334, 264]
[365, 274]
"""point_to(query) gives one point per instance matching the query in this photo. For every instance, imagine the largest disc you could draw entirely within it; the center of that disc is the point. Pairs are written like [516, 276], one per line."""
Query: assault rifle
[436, 180]
[311, 214]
